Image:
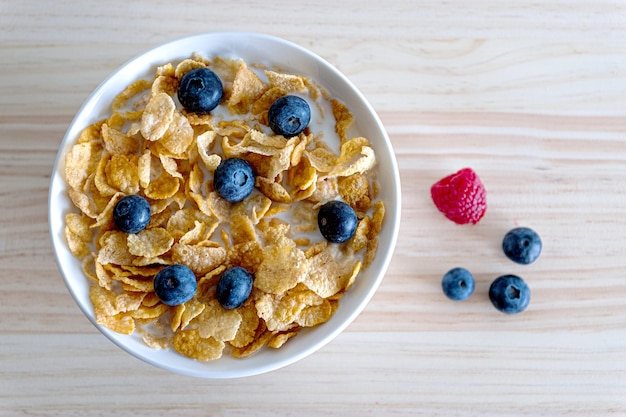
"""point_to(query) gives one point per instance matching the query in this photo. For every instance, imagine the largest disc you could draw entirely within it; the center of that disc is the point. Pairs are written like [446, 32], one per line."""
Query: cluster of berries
[462, 198]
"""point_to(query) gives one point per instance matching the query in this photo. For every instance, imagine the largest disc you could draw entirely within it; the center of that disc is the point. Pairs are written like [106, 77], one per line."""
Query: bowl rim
[393, 208]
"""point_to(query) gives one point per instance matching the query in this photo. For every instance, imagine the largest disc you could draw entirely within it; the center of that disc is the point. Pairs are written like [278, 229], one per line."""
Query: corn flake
[328, 273]
[114, 249]
[157, 116]
[247, 87]
[204, 142]
[117, 143]
[261, 337]
[190, 344]
[77, 164]
[150, 243]
[122, 173]
[273, 190]
[199, 259]
[283, 266]
[313, 315]
[217, 322]
[287, 82]
[279, 339]
[247, 327]
[179, 135]
[119, 323]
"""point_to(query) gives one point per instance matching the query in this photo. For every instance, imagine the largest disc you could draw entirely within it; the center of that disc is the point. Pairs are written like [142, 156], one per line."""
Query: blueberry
[234, 287]
[337, 221]
[233, 179]
[175, 284]
[131, 214]
[458, 284]
[509, 294]
[289, 115]
[522, 245]
[200, 90]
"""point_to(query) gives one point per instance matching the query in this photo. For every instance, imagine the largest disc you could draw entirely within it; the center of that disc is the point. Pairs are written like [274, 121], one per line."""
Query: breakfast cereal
[152, 147]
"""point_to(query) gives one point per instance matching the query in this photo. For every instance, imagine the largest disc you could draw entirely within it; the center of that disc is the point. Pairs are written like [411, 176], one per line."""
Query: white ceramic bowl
[251, 47]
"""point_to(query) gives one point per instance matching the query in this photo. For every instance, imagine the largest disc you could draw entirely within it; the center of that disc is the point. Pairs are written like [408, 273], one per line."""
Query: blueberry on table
[289, 115]
[337, 221]
[175, 284]
[200, 90]
[234, 287]
[458, 284]
[509, 294]
[233, 179]
[131, 214]
[522, 245]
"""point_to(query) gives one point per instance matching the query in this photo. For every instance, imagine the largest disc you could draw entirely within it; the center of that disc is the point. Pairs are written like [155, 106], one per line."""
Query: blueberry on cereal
[175, 284]
[233, 179]
[337, 221]
[234, 287]
[289, 115]
[200, 90]
[131, 214]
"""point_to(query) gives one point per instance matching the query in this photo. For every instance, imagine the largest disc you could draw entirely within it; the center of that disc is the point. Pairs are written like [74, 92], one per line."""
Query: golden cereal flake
[199, 259]
[157, 116]
[283, 266]
[190, 344]
[217, 322]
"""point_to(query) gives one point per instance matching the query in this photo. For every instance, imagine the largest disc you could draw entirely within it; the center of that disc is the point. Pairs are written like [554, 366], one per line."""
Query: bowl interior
[253, 48]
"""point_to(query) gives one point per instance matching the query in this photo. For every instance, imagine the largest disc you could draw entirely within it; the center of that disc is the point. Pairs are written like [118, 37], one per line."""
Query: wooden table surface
[532, 95]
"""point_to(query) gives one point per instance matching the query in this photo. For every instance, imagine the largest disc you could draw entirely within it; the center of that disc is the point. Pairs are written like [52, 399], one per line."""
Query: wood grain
[532, 95]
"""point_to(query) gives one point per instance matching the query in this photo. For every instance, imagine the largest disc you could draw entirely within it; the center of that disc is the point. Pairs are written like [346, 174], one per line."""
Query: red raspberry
[461, 197]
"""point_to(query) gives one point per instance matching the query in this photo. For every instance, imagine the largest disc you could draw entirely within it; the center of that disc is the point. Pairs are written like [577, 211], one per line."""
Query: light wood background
[532, 95]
